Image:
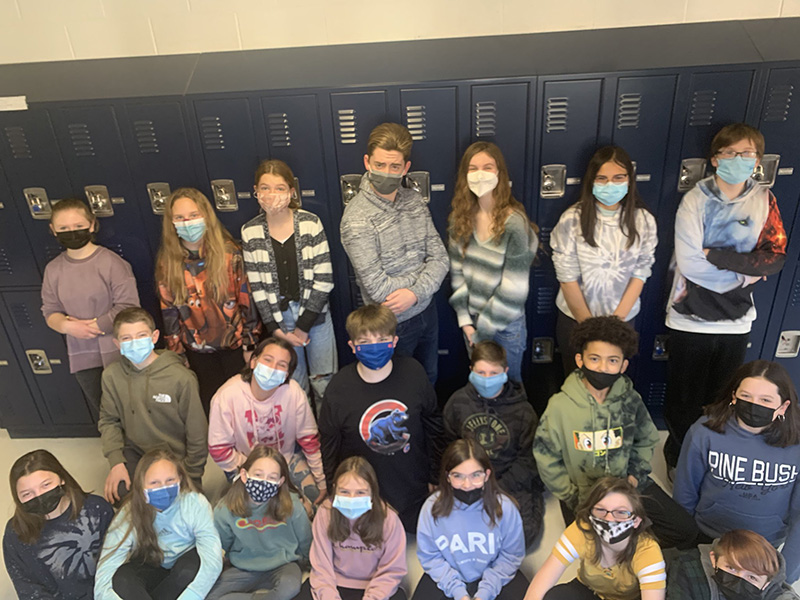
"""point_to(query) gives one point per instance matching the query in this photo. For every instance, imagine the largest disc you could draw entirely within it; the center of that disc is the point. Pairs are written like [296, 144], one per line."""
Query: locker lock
[660, 348]
[99, 200]
[158, 193]
[349, 185]
[542, 350]
[225, 197]
[420, 182]
[38, 203]
[554, 181]
[38, 361]
[692, 171]
[788, 345]
[767, 170]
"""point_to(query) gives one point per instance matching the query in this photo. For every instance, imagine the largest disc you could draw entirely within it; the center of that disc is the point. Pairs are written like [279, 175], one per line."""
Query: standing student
[52, 542]
[491, 245]
[264, 531]
[397, 254]
[469, 538]
[83, 289]
[162, 544]
[265, 405]
[359, 546]
[728, 236]
[205, 298]
[603, 248]
[618, 558]
[738, 465]
[288, 263]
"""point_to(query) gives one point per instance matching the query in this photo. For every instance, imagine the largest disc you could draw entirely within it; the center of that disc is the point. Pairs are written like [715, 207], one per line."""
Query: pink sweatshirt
[352, 564]
[237, 422]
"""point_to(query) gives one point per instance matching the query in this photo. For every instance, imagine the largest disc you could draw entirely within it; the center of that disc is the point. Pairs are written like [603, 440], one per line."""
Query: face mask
[44, 504]
[163, 497]
[481, 182]
[191, 231]
[599, 381]
[352, 508]
[268, 378]
[384, 183]
[469, 497]
[736, 588]
[375, 356]
[260, 490]
[136, 350]
[612, 532]
[275, 202]
[735, 170]
[488, 387]
[74, 240]
[753, 414]
[610, 193]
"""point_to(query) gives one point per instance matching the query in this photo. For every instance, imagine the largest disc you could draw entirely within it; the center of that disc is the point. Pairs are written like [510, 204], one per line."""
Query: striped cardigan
[313, 262]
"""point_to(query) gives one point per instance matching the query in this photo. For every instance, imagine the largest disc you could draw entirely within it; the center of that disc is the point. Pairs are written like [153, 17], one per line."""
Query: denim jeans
[513, 339]
[419, 338]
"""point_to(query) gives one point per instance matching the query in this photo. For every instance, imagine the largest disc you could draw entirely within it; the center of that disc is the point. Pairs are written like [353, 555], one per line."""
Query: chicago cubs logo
[383, 427]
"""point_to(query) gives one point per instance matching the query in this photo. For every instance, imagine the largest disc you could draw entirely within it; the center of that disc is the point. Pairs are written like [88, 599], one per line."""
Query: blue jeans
[419, 338]
[513, 339]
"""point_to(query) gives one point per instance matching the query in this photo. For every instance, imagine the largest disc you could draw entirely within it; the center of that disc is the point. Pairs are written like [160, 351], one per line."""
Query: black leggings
[139, 581]
[344, 593]
[574, 590]
[513, 590]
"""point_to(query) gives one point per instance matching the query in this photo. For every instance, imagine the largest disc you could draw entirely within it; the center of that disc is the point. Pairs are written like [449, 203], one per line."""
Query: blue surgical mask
[735, 170]
[268, 378]
[163, 497]
[488, 387]
[375, 356]
[352, 508]
[610, 193]
[191, 231]
[136, 350]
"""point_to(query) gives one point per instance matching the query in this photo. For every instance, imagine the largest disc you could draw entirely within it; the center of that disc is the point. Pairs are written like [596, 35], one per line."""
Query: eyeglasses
[727, 154]
[476, 477]
[601, 513]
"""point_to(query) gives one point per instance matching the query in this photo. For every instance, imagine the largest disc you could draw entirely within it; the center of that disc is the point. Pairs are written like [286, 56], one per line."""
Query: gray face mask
[384, 183]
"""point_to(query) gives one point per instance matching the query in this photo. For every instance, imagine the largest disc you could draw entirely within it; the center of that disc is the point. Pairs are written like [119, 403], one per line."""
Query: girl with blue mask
[163, 537]
[603, 248]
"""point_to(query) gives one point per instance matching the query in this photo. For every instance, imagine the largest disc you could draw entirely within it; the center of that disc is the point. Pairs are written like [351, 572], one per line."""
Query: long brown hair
[456, 453]
[28, 527]
[279, 507]
[781, 432]
[138, 516]
[217, 242]
[368, 526]
[601, 489]
[630, 203]
[465, 203]
[284, 171]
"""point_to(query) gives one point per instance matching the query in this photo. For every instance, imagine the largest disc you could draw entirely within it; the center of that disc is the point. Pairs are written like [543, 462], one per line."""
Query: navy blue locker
[17, 407]
[17, 265]
[787, 337]
[355, 114]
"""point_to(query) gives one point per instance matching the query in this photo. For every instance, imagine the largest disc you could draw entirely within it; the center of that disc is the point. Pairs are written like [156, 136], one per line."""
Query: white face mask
[481, 182]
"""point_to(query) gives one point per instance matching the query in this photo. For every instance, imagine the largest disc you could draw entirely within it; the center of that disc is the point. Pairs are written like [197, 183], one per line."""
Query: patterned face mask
[612, 532]
[261, 490]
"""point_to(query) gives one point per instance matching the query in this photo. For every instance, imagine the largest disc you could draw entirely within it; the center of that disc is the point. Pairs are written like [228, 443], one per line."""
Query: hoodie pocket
[719, 519]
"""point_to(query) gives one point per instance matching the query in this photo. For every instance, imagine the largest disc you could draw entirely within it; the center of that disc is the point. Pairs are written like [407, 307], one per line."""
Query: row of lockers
[125, 155]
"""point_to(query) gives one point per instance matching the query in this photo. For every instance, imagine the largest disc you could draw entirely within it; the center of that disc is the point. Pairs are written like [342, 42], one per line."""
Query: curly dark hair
[611, 330]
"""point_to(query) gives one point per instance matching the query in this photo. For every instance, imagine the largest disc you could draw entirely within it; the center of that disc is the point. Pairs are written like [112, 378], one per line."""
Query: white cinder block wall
[49, 30]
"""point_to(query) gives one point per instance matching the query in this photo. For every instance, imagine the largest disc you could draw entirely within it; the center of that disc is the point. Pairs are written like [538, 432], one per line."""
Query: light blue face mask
[488, 387]
[191, 231]
[268, 378]
[136, 350]
[610, 193]
[735, 170]
[352, 508]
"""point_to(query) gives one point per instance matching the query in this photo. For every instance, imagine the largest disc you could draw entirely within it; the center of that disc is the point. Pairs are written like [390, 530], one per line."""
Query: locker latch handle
[40, 365]
[348, 184]
[158, 193]
[554, 181]
[225, 196]
[692, 171]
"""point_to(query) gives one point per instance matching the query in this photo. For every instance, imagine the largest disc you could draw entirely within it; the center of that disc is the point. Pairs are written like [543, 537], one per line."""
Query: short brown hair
[736, 132]
[490, 351]
[72, 204]
[371, 318]
[133, 314]
[282, 170]
[748, 550]
[390, 137]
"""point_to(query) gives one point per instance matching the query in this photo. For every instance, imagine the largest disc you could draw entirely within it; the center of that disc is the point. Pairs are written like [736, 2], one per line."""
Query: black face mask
[736, 588]
[74, 240]
[45, 503]
[599, 381]
[753, 414]
[468, 496]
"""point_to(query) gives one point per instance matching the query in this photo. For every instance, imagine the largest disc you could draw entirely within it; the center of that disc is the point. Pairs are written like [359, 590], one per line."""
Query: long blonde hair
[216, 243]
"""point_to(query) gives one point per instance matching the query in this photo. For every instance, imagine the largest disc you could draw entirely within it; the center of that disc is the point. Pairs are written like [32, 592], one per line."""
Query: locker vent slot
[557, 113]
[703, 102]
[5, 264]
[81, 139]
[780, 97]
[211, 128]
[415, 121]
[18, 142]
[656, 395]
[116, 248]
[279, 130]
[347, 125]
[544, 235]
[22, 318]
[796, 293]
[51, 251]
[545, 300]
[629, 110]
[146, 137]
[485, 119]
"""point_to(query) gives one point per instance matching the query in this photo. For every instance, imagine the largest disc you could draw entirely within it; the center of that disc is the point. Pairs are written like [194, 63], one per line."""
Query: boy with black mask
[597, 426]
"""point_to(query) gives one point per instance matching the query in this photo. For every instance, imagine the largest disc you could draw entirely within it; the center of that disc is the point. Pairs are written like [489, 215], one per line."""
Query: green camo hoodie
[580, 440]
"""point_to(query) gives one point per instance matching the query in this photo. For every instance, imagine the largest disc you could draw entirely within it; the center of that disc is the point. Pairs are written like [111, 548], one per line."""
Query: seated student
[264, 531]
[150, 400]
[265, 405]
[741, 564]
[469, 537]
[52, 542]
[619, 559]
[738, 465]
[359, 547]
[597, 425]
[496, 412]
[383, 409]
[162, 543]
